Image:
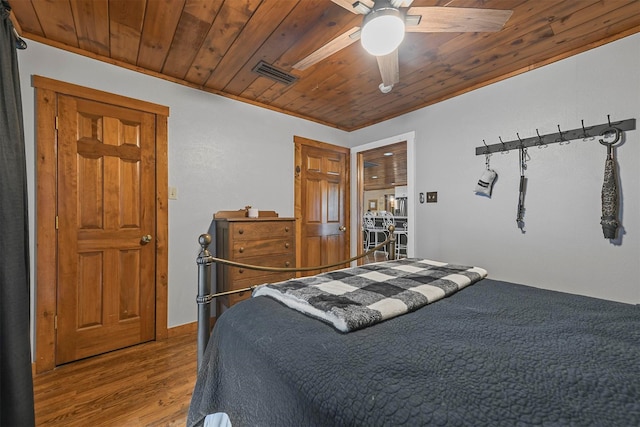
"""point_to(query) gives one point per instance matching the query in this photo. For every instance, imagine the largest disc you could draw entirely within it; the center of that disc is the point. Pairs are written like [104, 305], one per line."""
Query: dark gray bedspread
[495, 354]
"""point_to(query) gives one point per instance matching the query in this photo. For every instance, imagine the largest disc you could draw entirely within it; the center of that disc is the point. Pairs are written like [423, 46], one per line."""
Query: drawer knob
[241, 271]
[286, 229]
[241, 231]
[241, 249]
[286, 264]
[286, 245]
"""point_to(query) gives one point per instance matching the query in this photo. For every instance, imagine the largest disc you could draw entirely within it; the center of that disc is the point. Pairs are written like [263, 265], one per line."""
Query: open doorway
[385, 175]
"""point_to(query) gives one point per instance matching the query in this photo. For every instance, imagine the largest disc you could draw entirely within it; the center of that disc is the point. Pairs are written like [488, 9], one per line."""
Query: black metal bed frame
[206, 276]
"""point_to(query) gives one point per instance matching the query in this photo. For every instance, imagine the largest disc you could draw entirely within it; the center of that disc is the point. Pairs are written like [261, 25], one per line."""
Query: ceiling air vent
[273, 73]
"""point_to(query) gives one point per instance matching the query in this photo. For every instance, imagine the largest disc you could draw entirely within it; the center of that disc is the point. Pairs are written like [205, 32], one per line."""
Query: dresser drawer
[260, 230]
[261, 280]
[279, 261]
[251, 248]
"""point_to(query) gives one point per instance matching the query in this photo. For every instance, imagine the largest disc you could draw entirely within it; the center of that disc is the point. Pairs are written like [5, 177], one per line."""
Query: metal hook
[585, 136]
[617, 132]
[520, 139]
[540, 142]
[561, 139]
[486, 147]
[503, 150]
[584, 131]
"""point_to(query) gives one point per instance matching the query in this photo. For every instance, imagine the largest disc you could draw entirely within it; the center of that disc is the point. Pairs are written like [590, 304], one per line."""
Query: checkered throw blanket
[357, 297]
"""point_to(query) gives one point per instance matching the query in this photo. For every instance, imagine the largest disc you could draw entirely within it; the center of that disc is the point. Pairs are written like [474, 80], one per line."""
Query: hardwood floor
[145, 385]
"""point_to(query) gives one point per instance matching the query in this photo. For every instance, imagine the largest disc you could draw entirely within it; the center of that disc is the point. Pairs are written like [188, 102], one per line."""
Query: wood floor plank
[146, 385]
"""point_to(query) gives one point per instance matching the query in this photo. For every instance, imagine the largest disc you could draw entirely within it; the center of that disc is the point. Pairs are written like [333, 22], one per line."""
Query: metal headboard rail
[205, 260]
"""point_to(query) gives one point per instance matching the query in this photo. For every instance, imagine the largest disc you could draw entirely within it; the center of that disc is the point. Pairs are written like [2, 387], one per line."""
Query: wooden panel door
[322, 203]
[106, 223]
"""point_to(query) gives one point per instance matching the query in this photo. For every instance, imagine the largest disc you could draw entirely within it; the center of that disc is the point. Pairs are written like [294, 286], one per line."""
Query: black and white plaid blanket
[357, 297]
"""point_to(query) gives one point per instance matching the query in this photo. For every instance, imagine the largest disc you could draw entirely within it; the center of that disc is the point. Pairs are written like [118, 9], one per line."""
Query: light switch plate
[173, 193]
[432, 197]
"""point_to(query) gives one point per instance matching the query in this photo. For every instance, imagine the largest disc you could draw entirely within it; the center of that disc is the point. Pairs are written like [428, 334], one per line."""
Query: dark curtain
[16, 384]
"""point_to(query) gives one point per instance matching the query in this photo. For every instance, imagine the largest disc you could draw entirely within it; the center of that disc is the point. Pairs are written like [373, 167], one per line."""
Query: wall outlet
[432, 197]
[173, 193]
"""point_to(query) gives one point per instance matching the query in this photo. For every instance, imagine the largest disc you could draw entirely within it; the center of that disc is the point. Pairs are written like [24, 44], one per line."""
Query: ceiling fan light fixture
[382, 30]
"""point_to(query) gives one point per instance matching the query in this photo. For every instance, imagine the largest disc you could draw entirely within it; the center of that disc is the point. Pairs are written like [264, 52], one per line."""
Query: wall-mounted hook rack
[560, 136]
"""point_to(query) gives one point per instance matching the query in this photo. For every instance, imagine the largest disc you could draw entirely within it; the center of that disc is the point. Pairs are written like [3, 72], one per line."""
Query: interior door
[106, 224]
[322, 203]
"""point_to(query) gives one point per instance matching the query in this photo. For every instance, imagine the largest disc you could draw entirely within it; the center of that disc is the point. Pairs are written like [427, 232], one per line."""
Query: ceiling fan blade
[343, 40]
[349, 4]
[389, 68]
[458, 19]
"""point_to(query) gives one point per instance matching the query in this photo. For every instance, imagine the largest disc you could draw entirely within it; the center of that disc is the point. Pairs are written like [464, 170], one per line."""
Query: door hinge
[56, 222]
[56, 122]
[55, 322]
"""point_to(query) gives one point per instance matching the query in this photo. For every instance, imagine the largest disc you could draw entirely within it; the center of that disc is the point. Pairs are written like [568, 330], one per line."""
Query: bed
[492, 353]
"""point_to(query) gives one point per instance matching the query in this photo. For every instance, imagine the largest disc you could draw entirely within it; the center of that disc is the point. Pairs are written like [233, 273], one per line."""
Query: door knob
[146, 238]
[342, 228]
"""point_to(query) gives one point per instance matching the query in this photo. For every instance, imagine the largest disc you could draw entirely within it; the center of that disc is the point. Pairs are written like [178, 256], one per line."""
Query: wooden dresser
[268, 241]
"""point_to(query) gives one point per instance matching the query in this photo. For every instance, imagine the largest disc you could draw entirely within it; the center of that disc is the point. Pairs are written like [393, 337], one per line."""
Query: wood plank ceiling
[213, 45]
[385, 167]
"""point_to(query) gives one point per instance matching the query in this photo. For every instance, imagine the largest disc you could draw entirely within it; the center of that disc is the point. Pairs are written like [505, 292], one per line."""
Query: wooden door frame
[358, 167]
[47, 91]
[359, 172]
[297, 164]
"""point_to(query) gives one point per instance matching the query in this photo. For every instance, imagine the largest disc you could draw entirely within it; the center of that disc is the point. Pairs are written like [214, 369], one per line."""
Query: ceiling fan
[386, 21]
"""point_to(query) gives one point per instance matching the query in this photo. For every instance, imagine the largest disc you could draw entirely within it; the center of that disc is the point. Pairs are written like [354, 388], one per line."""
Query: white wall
[223, 155]
[563, 247]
